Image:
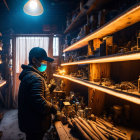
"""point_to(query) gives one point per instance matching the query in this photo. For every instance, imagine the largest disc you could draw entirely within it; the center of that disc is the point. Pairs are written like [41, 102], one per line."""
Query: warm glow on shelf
[2, 83]
[125, 57]
[129, 17]
[101, 88]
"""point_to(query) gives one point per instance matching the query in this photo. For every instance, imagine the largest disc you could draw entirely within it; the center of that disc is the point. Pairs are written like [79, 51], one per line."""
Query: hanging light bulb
[33, 8]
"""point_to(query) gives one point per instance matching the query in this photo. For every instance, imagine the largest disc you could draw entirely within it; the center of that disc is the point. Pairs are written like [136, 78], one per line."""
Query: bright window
[55, 46]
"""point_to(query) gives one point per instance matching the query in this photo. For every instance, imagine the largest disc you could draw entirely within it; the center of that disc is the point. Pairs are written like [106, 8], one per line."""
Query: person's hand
[52, 81]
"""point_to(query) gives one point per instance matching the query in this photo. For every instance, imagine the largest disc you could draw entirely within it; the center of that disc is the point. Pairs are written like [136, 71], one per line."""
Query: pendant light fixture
[33, 8]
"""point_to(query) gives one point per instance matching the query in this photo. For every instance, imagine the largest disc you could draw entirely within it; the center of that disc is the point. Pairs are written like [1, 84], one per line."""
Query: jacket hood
[27, 69]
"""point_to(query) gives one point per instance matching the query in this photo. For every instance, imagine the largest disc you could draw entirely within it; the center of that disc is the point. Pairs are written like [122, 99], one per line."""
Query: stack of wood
[96, 130]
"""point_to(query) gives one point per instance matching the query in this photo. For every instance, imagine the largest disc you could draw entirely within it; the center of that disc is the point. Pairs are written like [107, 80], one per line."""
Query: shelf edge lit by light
[128, 57]
[101, 88]
[126, 19]
[3, 83]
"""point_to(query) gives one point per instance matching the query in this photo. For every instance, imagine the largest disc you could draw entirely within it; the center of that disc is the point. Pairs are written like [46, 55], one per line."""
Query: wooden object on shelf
[97, 131]
[109, 45]
[96, 43]
[90, 134]
[80, 130]
[88, 126]
[127, 18]
[118, 134]
[62, 131]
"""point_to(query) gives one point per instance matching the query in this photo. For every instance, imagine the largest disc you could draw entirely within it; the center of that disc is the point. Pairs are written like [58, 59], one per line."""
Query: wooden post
[96, 97]
[97, 71]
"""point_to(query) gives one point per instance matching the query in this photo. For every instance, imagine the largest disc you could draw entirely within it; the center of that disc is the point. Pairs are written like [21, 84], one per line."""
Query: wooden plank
[76, 21]
[132, 97]
[105, 59]
[61, 131]
[68, 132]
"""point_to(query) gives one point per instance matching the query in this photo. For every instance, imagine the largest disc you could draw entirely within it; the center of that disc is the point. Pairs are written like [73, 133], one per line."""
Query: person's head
[38, 58]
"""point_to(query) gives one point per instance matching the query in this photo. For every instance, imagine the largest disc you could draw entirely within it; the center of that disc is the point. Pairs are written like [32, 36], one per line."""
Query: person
[34, 111]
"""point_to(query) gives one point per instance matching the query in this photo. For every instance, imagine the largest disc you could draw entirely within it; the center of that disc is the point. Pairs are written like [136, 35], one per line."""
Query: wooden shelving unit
[127, 18]
[135, 98]
[107, 59]
[81, 16]
[122, 67]
[76, 22]
[94, 4]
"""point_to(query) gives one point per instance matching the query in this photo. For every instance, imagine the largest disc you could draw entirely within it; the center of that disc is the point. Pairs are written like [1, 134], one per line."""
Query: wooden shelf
[107, 59]
[93, 5]
[2, 83]
[82, 15]
[76, 22]
[135, 98]
[127, 18]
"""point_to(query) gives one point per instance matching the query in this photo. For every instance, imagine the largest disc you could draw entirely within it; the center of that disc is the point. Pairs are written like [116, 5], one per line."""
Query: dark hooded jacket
[34, 111]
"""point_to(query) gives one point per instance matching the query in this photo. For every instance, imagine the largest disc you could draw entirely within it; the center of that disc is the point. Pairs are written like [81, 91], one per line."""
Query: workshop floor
[9, 127]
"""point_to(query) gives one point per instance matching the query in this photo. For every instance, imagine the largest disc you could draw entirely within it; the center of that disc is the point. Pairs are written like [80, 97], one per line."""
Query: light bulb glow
[33, 8]
[33, 5]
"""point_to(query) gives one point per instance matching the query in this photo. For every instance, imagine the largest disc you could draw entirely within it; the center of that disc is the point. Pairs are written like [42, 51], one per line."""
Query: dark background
[16, 20]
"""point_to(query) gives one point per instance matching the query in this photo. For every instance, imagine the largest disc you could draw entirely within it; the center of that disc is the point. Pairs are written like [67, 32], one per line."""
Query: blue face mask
[42, 68]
